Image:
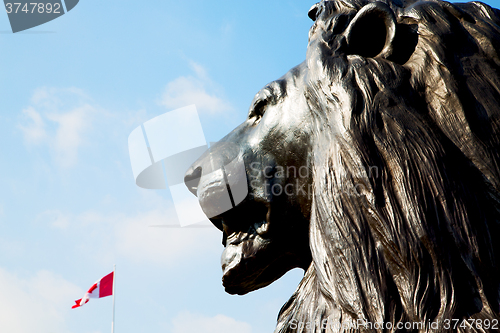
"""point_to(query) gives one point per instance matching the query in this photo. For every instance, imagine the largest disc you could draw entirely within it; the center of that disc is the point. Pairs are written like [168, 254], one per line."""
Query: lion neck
[307, 296]
[312, 309]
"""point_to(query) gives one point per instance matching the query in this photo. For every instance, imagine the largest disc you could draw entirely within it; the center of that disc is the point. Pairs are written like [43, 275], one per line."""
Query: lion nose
[218, 178]
[192, 178]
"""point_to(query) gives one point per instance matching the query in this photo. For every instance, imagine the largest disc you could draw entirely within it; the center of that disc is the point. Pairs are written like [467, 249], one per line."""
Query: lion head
[374, 166]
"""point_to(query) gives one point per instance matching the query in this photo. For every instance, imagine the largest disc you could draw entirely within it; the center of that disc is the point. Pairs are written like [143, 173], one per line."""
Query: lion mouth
[234, 238]
[242, 245]
[239, 224]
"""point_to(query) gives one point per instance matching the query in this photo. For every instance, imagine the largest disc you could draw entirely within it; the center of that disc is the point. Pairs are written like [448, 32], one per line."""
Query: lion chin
[240, 273]
[374, 166]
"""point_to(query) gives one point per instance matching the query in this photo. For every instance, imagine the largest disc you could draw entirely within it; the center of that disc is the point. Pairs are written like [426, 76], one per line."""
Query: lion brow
[277, 89]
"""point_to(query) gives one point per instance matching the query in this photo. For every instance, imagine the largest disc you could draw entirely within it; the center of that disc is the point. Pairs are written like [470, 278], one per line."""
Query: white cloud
[69, 135]
[34, 132]
[139, 238]
[34, 304]
[58, 119]
[153, 236]
[55, 98]
[199, 90]
[200, 71]
[187, 322]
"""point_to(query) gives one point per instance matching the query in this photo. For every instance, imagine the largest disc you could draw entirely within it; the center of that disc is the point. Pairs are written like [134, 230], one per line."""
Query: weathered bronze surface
[385, 146]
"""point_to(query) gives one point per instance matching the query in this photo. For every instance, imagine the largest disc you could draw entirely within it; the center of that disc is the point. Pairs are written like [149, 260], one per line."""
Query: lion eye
[258, 109]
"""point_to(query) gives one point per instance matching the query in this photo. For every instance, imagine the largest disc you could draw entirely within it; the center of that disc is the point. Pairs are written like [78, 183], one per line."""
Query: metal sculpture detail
[374, 166]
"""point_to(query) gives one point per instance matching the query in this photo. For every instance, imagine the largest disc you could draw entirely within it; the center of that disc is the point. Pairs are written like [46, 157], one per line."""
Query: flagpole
[113, 321]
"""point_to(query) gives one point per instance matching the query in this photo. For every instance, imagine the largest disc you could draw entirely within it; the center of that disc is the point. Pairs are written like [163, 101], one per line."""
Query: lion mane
[405, 211]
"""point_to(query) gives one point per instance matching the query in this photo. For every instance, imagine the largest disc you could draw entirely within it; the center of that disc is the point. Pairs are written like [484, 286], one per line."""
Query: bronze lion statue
[374, 166]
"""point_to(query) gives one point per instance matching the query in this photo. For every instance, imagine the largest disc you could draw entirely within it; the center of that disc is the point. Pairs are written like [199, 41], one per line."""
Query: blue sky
[72, 90]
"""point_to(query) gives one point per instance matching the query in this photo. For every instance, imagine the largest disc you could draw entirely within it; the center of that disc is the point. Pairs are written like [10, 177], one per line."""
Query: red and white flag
[102, 288]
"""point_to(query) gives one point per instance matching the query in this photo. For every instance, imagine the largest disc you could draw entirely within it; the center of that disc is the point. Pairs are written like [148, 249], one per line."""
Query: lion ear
[371, 32]
[313, 12]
